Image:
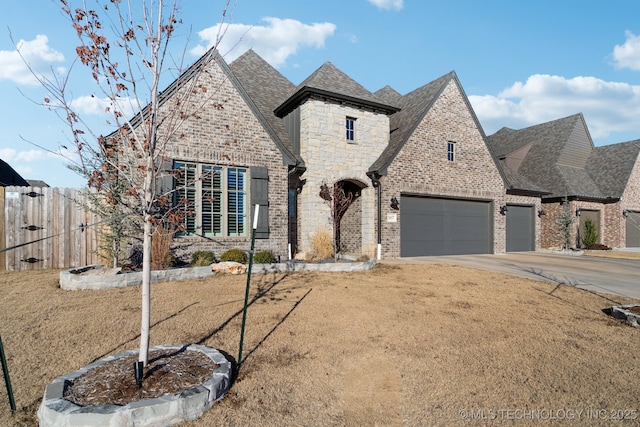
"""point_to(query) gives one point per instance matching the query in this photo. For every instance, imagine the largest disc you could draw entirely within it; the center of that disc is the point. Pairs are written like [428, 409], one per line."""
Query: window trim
[350, 131]
[451, 151]
[193, 220]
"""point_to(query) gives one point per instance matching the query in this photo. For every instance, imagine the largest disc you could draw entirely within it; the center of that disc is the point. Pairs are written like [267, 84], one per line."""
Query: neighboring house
[37, 183]
[9, 177]
[601, 184]
[422, 179]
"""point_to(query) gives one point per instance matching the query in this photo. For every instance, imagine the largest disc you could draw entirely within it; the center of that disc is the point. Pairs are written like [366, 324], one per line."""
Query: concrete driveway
[610, 275]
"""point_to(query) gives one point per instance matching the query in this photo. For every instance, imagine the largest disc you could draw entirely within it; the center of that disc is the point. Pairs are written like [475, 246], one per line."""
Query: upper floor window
[451, 151]
[350, 127]
[214, 199]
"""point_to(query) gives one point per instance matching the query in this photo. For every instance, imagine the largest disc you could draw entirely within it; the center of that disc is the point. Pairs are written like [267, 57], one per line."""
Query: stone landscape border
[98, 277]
[621, 312]
[55, 411]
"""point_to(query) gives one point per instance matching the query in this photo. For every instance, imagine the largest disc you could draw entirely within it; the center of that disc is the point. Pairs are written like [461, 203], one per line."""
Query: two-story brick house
[422, 178]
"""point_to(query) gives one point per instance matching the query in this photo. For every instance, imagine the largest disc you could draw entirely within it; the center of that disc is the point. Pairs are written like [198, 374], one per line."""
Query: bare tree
[126, 47]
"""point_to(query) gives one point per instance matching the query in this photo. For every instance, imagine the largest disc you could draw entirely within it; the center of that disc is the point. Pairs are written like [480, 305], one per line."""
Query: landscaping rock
[228, 267]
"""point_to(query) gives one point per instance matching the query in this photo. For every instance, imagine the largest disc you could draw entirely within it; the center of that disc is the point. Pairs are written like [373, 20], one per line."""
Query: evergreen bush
[264, 257]
[235, 255]
[590, 237]
[202, 258]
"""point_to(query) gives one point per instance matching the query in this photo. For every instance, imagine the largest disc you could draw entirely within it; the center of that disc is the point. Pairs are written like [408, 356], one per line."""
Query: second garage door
[436, 226]
[633, 229]
[520, 228]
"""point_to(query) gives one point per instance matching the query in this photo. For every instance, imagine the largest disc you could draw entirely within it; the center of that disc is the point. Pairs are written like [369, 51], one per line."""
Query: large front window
[214, 199]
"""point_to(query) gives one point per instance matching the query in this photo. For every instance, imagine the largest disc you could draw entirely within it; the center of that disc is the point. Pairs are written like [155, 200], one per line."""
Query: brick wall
[226, 132]
[630, 200]
[421, 167]
[610, 225]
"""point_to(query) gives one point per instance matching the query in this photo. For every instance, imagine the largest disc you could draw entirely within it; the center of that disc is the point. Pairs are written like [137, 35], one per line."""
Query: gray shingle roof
[545, 164]
[267, 88]
[611, 166]
[413, 107]
[518, 183]
[330, 82]
[389, 95]
[9, 177]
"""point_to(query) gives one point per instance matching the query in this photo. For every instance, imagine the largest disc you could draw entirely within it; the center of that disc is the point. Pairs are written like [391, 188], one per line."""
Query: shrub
[235, 255]
[264, 257]
[202, 258]
[565, 219]
[322, 244]
[590, 237]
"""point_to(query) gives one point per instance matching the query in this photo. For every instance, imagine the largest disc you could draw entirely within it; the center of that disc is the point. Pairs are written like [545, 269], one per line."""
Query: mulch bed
[168, 372]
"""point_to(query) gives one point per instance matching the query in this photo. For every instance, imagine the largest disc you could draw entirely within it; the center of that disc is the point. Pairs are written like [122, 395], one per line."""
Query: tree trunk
[146, 262]
[146, 292]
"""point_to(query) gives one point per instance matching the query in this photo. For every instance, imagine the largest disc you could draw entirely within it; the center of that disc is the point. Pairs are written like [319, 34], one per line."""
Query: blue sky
[520, 62]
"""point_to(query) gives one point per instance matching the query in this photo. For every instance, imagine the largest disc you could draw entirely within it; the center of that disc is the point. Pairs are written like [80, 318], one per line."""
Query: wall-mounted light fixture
[300, 185]
[625, 213]
[578, 212]
[395, 205]
[503, 210]
[541, 213]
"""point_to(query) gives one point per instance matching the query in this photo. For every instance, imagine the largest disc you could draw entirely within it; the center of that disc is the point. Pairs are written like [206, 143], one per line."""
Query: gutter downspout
[375, 180]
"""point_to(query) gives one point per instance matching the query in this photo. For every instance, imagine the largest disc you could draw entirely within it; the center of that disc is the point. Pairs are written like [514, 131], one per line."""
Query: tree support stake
[7, 380]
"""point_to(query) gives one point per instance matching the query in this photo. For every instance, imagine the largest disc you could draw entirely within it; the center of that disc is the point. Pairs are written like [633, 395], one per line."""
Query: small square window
[350, 127]
[451, 150]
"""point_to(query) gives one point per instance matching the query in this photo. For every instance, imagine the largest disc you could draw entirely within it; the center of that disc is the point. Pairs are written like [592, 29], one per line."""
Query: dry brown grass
[414, 345]
[322, 244]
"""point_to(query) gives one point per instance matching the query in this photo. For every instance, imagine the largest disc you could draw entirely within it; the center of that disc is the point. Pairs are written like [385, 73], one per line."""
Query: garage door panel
[633, 230]
[520, 228]
[433, 226]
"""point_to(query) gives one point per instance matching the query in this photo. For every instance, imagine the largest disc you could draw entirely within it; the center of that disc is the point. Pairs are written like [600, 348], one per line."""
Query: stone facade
[226, 132]
[330, 158]
[422, 168]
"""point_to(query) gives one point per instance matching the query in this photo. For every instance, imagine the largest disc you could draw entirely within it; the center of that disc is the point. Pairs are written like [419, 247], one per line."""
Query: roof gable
[388, 94]
[331, 83]
[554, 155]
[414, 106]
[266, 87]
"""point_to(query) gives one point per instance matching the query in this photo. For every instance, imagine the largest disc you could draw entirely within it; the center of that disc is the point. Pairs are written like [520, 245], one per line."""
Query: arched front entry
[347, 206]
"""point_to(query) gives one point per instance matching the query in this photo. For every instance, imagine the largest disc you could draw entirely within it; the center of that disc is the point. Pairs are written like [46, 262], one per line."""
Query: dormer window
[350, 123]
[451, 151]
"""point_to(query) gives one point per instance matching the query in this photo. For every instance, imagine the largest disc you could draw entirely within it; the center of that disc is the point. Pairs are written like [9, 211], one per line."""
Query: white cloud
[608, 107]
[274, 42]
[12, 155]
[387, 4]
[92, 105]
[628, 55]
[37, 53]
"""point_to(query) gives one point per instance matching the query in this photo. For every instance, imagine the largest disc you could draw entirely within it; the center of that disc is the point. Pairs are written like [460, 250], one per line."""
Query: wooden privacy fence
[55, 220]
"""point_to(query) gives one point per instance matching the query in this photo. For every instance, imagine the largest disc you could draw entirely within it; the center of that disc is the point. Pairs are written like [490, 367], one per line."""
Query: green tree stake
[7, 380]
[246, 293]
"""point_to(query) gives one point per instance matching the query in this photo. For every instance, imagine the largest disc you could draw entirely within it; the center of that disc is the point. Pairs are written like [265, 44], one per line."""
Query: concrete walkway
[609, 275]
